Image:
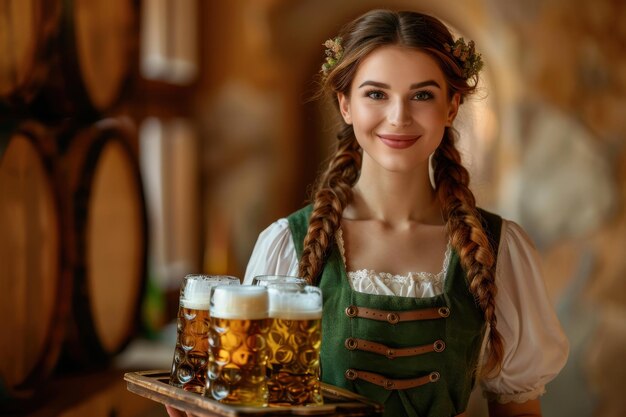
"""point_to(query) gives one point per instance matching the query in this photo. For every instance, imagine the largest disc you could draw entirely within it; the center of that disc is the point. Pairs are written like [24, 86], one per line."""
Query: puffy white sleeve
[274, 253]
[535, 347]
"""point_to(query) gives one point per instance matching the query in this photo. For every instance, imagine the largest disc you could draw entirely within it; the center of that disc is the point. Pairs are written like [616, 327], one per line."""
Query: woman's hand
[530, 408]
[173, 412]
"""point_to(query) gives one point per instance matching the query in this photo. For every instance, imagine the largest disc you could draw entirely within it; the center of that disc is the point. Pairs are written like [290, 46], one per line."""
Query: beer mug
[294, 344]
[264, 280]
[191, 352]
[238, 345]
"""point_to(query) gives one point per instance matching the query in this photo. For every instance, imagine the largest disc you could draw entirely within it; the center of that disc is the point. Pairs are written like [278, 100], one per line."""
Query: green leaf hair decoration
[334, 51]
[466, 56]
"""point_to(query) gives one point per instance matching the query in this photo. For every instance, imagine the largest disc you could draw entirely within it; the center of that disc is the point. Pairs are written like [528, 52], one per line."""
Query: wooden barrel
[27, 38]
[100, 41]
[105, 210]
[34, 285]
[67, 58]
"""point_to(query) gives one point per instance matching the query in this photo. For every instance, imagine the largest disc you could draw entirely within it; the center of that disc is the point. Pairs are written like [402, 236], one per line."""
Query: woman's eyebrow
[374, 84]
[412, 87]
[432, 83]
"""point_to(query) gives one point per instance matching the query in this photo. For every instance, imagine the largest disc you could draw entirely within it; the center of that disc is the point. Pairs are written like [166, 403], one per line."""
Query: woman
[414, 341]
[398, 327]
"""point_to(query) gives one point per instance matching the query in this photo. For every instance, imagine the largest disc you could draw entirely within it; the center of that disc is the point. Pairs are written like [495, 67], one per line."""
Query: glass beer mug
[264, 280]
[238, 345]
[191, 353]
[294, 344]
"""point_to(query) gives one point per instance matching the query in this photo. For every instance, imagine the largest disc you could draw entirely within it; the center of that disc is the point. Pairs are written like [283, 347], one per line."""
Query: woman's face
[398, 106]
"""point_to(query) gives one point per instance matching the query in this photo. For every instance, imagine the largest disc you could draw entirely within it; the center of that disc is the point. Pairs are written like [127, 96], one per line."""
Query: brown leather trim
[352, 343]
[393, 317]
[388, 383]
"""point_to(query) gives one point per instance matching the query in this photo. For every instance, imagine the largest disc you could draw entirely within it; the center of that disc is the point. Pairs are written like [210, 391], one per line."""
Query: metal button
[393, 318]
[439, 345]
[391, 353]
[350, 343]
[434, 376]
[351, 311]
[350, 374]
[444, 311]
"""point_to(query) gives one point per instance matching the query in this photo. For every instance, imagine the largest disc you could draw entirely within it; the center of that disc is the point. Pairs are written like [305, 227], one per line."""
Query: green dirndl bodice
[416, 356]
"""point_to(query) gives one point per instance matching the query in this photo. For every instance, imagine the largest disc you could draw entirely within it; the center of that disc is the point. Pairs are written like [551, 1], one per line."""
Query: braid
[468, 238]
[331, 195]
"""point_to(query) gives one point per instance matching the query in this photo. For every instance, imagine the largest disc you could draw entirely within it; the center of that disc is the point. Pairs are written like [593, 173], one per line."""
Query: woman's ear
[344, 107]
[453, 108]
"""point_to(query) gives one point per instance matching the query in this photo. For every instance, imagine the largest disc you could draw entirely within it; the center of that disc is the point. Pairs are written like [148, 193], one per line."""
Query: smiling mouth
[398, 141]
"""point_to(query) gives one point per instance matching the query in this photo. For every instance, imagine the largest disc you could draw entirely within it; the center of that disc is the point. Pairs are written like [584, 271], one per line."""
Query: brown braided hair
[333, 189]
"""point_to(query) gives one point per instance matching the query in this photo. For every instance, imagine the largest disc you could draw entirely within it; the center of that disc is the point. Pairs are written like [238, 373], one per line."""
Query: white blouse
[535, 347]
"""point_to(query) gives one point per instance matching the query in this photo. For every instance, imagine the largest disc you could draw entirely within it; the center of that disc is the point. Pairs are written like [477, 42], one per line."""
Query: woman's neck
[394, 198]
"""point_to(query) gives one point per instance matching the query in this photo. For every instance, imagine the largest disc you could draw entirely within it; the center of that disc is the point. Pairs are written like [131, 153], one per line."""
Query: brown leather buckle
[394, 317]
[439, 345]
[351, 343]
[389, 383]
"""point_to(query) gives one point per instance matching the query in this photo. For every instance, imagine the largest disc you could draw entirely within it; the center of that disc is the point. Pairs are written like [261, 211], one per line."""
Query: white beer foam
[196, 304]
[197, 291]
[243, 302]
[295, 305]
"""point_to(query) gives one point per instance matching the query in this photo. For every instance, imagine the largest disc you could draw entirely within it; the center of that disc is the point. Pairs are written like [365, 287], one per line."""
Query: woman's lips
[398, 141]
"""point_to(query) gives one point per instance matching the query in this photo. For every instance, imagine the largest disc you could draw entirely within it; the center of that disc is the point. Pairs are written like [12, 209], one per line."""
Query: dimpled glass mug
[294, 342]
[238, 345]
[191, 355]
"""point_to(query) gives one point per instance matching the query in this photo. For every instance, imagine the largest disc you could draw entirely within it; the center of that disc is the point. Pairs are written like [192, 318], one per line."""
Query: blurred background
[141, 140]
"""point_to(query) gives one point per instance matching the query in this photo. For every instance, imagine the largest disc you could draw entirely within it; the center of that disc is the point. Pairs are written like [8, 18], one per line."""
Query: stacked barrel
[73, 231]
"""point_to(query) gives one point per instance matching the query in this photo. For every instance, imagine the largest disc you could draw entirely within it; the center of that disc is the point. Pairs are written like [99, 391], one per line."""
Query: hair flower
[466, 56]
[334, 51]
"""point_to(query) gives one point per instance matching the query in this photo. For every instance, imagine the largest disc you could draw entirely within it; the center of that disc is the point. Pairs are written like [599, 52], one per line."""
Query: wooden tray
[337, 401]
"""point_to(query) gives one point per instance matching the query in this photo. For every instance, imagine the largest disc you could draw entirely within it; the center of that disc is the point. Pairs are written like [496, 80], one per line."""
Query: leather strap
[393, 317]
[391, 384]
[353, 343]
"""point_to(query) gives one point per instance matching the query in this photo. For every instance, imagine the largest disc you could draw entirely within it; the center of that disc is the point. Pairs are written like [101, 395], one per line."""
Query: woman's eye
[422, 95]
[376, 95]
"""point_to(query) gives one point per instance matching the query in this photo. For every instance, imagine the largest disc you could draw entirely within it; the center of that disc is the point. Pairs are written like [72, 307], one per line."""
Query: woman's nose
[399, 114]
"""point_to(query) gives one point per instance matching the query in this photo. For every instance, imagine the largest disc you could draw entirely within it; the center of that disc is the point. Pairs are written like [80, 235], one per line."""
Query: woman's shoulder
[273, 253]
[514, 238]
[278, 227]
[535, 346]
[509, 233]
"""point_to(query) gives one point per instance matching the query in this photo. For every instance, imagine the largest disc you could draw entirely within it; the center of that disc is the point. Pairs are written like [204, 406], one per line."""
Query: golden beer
[238, 351]
[191, 356]
[294, 344]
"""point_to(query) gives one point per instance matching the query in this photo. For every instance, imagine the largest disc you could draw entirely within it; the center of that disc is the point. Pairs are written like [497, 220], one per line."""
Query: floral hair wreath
[463, 53]
[466, 57]
[334, 52]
